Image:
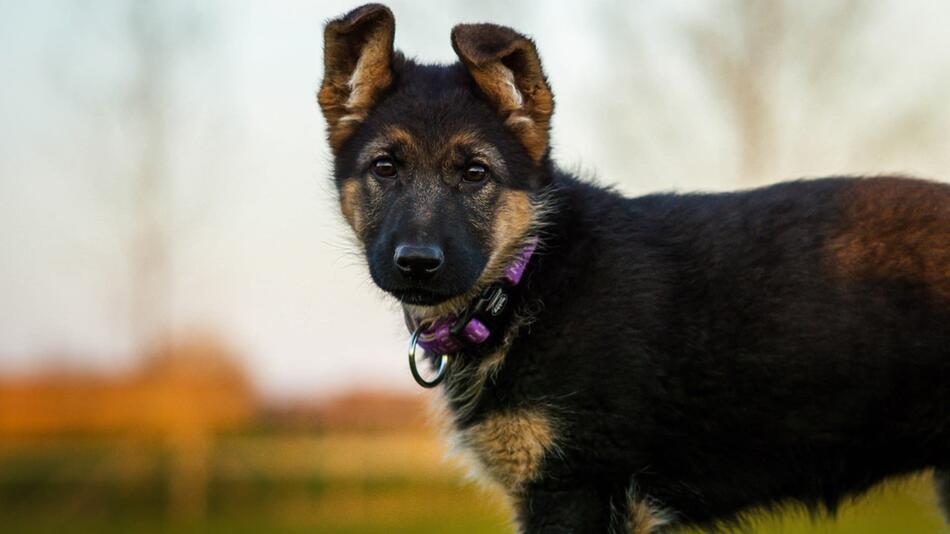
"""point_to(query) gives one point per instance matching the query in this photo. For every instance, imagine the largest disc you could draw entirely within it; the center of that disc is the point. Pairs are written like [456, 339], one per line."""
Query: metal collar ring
[443, 363]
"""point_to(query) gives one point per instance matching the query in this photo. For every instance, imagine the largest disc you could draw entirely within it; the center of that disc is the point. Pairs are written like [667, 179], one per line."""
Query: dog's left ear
[357, 67]
[506, 67]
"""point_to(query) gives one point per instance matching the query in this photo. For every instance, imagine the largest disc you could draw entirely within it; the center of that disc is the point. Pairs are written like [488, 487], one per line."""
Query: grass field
[352, 483]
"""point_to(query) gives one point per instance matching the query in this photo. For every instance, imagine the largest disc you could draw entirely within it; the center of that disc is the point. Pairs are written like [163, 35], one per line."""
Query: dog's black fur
[691, 356]
[715, 363]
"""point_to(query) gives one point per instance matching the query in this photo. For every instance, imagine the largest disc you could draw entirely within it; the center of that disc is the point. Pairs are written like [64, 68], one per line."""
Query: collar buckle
[492, 302]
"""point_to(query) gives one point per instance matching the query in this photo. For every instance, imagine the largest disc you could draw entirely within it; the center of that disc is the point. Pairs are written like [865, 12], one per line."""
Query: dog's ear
[357, 67]
[506, 67]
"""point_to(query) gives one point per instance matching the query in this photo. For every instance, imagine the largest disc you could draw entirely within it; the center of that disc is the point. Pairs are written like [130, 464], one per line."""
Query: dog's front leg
[567, 510]
[583, 509]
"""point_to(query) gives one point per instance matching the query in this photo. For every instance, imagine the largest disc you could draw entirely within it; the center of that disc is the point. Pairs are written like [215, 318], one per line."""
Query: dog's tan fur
[643, 518]
[350, 88]
[517, 217]
[510, 447]
[510, 74]
[896, 230]
[351, 205]
[638, 515]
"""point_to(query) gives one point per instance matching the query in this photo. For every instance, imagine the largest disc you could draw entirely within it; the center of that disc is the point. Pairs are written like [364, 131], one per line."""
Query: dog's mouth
[420, 296]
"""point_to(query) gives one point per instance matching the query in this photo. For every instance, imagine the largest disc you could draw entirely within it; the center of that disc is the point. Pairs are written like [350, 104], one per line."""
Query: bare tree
[743, 63]
[781, 89]
[150, 248]
[158, 37]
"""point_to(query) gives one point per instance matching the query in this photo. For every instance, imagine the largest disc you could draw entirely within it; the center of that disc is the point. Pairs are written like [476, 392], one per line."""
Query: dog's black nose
[419, 262]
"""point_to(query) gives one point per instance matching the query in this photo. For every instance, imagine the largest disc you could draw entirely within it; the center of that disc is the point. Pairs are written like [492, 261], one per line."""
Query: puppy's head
[438, 167]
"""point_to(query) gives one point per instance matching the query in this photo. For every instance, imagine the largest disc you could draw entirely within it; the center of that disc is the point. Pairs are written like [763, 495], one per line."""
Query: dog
[634, 365]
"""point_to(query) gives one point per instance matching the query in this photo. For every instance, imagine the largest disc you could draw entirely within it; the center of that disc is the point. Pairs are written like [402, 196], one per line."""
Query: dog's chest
[509, 447]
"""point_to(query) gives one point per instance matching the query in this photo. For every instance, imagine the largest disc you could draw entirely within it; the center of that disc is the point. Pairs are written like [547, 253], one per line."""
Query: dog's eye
[475, 173]
[384, 168]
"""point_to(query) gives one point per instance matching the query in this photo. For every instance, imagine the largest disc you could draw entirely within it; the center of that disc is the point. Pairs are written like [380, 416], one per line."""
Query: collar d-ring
[443, 363]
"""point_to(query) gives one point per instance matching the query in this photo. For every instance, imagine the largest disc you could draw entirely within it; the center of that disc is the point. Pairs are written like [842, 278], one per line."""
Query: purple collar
[448, 334]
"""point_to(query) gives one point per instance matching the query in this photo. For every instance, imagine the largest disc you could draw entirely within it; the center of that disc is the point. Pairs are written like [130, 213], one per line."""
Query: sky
[258, 253]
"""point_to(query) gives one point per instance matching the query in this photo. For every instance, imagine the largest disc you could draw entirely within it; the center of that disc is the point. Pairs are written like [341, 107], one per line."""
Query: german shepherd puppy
[657, 361]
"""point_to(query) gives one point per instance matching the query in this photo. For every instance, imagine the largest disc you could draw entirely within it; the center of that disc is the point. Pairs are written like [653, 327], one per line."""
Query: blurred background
[188, 340]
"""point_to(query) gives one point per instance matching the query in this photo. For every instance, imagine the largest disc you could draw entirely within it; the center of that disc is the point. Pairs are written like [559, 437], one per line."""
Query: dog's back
[808, 326]
[743, 348]
[789, 341]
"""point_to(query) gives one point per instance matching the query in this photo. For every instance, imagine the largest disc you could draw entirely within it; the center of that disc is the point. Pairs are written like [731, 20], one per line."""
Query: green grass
[252, 526]
[902, 506]
[341, 484]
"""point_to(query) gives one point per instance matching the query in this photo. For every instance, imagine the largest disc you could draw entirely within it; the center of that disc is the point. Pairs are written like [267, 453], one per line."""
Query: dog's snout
[418, 261]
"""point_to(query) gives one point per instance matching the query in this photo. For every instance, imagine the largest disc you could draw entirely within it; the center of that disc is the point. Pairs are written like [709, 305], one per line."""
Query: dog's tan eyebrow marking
[473, 143]
[464, 138]
[399, 135]
[392, 137]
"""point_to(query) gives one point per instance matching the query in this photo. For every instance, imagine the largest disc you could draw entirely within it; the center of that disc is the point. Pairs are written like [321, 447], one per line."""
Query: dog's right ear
[357, 68]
